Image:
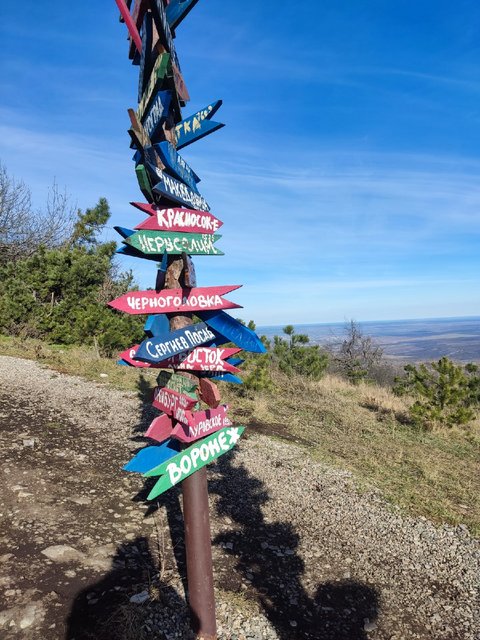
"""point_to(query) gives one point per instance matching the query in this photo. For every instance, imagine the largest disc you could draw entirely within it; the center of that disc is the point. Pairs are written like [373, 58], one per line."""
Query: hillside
[305, 545]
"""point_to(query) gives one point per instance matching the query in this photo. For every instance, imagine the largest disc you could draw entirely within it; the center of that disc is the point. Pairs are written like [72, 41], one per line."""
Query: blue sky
[348, 173]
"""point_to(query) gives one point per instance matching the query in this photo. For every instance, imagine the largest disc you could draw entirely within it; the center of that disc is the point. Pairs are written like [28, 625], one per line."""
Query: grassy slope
[363, 429]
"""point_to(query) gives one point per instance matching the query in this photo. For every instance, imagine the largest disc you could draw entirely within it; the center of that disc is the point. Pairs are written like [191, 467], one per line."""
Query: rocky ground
[298, 552]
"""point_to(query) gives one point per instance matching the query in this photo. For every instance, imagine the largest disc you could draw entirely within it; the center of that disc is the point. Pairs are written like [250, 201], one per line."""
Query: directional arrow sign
[160, 429]
[150, 457]
[127, 358]
[164, 31]
[174, 404]
[156, 325]
[177, 10]
[203, 424]
[234, 330]
[193, 458]
[157, 113]
[175, 300]
[155, 82]
[202, 359]
[197, 126]
[209, 393]
[144, 182]
[146, 57]
[159, 347]
[156, 242]
[177, 219]
[180, 384]
[176, 165]
[174, 190]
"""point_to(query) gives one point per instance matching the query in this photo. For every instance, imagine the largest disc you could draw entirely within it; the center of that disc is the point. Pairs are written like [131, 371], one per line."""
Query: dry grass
[363, 428]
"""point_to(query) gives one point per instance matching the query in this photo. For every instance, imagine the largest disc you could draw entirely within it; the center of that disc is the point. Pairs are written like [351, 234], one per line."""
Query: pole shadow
[266, 557]
[103, 610]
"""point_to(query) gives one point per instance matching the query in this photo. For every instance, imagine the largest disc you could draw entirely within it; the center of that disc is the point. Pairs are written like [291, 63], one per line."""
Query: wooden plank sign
[173, 404]
[155, 82]
[174, 190]
[203, 423]
[176, 165]
[177, 219]
[209, 393]
[157, 113]
[180, 384]
[144, 182]
[175, 300]
[202, 359]
[234, 330]
[146, 57]
[160, 429]
[184, 340]
[128, 356]
[197, 126]
[195, 457]
[131, 26]
[156, 242]
[177, 10]
[164, 31]
[150, 457]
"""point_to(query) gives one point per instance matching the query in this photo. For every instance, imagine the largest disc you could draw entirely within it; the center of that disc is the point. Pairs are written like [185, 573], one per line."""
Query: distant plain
[409, 340]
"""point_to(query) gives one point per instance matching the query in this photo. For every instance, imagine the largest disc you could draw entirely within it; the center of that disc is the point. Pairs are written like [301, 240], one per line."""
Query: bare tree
[357, 355]
[22, 229]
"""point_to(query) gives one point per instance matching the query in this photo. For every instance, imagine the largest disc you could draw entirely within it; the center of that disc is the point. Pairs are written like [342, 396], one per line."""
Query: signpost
[179, 225]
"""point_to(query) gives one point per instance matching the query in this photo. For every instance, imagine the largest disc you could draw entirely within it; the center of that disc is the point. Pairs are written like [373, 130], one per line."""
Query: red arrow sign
[130, 22]
[203, 424]
[177, 219]
[160, 429]
[173, 403]
[209, 393]
[175, 300]
[202, 359]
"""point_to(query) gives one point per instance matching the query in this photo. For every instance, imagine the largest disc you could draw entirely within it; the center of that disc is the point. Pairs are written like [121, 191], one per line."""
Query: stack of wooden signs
[178, 225]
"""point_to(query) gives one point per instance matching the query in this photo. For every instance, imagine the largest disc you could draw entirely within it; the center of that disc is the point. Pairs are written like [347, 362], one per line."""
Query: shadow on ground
[266, 556]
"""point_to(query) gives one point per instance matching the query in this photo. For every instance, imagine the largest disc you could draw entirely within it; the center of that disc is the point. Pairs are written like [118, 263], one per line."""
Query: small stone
[140, 598]
[369, 626]
[30, 442]
[104, 375]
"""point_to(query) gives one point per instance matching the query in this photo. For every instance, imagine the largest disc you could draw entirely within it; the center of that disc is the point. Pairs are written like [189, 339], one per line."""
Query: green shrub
[295, 355]
[447, 394]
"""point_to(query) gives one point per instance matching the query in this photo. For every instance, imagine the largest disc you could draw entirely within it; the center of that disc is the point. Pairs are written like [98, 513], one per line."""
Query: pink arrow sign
[177, 219]
[203, 359]
[175, 300]
[174, 404]
[130, 22]
[160, 429]
[203, 424]
[209, 393]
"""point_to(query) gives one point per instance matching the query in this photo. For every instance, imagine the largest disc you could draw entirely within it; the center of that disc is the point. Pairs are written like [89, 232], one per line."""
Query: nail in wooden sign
[174, 243]
[172, 403]
[175, 300]
[157, 113]
[155, 82]
[234, 330]
[177, 219]
[195, 457]
[202, 359]
[159, 347]
[176, 165]
[150, 457]
[180, 384]
[177, 10]
[160, 429]
[203, 423]
[131, 26]
[209, 392]
[176, 191]
[197, 126]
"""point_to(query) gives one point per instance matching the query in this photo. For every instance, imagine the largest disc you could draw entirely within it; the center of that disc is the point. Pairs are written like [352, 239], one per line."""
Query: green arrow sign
[192, 459]
[156, 242]
[177, 383]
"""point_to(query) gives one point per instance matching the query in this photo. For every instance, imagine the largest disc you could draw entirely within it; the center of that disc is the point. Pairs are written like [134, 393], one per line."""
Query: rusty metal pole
[198, 544]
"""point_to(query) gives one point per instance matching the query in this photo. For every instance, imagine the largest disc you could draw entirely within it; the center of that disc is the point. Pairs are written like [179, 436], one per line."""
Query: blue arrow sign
[234, 330]
[177, 10]
[157, 113]
[197, 126]
[160, 347]
[176, 191]
[150, 457]
[157, 325]
[176, 165]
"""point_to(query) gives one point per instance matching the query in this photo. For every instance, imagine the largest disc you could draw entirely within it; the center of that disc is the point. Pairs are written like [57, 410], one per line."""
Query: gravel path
[298, 552]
